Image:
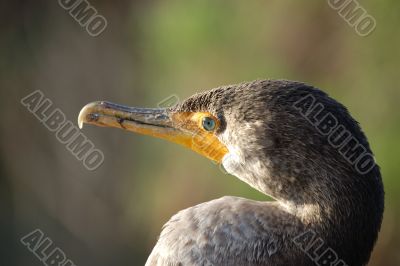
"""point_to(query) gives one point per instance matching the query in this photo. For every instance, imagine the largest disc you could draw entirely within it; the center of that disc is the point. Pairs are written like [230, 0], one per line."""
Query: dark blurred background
[150, 50]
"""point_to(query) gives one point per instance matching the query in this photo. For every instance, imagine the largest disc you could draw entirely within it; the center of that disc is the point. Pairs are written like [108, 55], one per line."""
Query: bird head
[256, 132]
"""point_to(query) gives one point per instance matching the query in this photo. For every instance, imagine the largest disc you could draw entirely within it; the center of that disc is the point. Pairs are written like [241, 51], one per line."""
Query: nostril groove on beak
[120, 122]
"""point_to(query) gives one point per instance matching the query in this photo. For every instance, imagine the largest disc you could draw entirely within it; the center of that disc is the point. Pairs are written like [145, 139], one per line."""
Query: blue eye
[208, 123]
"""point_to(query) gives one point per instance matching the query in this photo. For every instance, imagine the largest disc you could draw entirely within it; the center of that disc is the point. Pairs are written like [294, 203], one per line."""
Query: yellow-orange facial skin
[201, 141]
[184, 128]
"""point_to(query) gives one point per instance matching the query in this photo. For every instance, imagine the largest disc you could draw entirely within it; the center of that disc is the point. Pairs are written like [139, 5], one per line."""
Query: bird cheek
[232, 162]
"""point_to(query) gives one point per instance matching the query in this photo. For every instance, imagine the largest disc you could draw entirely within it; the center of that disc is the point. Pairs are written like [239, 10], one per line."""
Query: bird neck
[345, 215]
[316, 194]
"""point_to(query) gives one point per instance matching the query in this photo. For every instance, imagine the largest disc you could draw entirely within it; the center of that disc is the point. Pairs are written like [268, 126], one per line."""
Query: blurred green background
[150, 50]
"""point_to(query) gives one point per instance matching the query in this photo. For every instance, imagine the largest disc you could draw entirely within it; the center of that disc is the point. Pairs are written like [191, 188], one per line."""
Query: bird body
[226, 231]
[286, 139]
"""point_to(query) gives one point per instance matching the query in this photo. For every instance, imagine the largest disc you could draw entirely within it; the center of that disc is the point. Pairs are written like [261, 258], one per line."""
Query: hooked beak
[178, 127]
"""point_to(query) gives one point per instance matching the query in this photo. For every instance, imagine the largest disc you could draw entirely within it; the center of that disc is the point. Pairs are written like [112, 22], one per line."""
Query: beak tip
[84, 113]
[81, 118]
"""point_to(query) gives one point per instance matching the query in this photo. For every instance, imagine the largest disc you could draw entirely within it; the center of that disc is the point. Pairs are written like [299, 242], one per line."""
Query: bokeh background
[149, 51]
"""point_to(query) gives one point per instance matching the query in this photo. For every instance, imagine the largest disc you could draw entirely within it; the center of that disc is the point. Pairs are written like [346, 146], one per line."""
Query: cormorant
[286, 139]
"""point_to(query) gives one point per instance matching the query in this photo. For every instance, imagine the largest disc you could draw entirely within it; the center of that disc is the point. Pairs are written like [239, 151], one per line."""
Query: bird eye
[208, 123]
